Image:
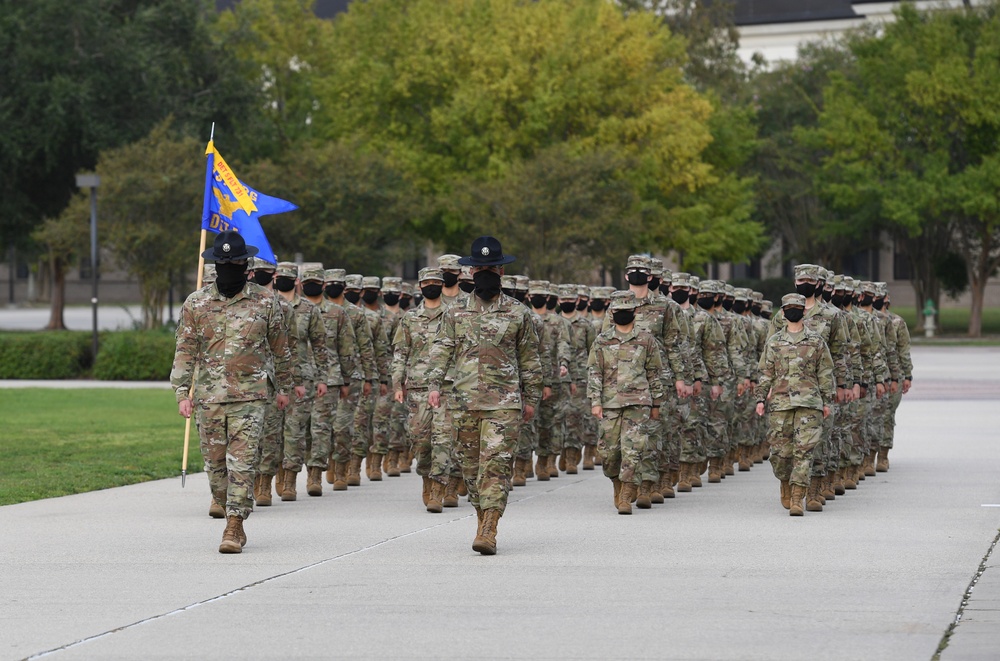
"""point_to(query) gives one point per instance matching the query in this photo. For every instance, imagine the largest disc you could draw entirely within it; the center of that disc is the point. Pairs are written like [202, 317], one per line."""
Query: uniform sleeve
[824, 373]
[735, 343]
[400, 354]
[545, 352]
[892, 350]
[564, 349]
[383, 357]
[654, 368]
[366, 348]
[187, 349]
[296, 352]
[528, 361]
[277, 338]
[441, 352]
[765, 373]
[595, 376]
[674, 346]
[347, 349]
[839, 352]
[903, 344]
[317, 338]
[713, 351]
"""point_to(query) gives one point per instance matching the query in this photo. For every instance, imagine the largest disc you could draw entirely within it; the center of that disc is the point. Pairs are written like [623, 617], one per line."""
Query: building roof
[756, 12]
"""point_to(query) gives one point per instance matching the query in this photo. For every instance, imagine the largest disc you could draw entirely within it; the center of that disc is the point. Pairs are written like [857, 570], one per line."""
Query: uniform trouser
[486, 441]
[398, 436]
[382, 423]
[745, 413]
[823, 452]
[444, 432]
[551, 420]
[856, 449]
[649, 460]
[883, 410]
[272, 440]
[840, 439]
[361, 439]
[717, 412]
[433, 451]
[864, 421]
[297, 430]
[793, 434]
[343, 423]
[577, 411]
[622, 440]
[527, 438]
[675, 413]
[229, 436]
[324, 410]
[889, 423]
[692, 448]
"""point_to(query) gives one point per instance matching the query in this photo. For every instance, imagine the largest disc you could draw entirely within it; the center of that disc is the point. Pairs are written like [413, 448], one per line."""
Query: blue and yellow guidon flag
[232, 205]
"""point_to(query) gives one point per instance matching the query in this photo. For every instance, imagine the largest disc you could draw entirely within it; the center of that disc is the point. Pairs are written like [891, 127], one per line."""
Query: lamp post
[92, 181]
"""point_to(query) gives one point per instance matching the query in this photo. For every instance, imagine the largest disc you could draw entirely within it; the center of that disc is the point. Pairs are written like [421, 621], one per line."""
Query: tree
[63, 238]
[916, 136]
[150, 216]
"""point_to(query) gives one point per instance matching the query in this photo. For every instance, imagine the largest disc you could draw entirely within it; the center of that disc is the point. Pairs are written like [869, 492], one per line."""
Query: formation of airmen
[659, 385]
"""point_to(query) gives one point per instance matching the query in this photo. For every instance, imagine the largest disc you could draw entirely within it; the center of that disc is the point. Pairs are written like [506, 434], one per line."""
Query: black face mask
[598, 305]
[838, 300]
[487, 284]
[467, 287]
[866, 300]
[418, 299]
[230, 278]
[404, 302]
[352, 296]
[567, 306]
[623, 317]
[520, 295]
[551, 303]
[878, 303]
[827, 295]
[637, 278]
[390, 299]
[369, 296]
[680, 296]
[538, 300]
[807, 289]
[755, 309]
[727, 304]
[450, 279]
[739, 307]
[581, 306]
[765, 315]
[335, 290]
[263, 278]
[282, 283]
[706, 302]
[312, 288]
[431, 292]
[793, 315]
[507, 291]
[654, 283]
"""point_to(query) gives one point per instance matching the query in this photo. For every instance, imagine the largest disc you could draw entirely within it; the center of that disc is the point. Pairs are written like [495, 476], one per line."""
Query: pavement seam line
[966, 596]
[268, 579]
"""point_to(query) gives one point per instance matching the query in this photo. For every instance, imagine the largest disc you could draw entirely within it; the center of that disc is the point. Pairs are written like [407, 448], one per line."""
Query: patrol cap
[371, 282]
[806, 271]
[742, 293]
[681, 279]
[566, 291]
[602, 293]
[655, 266]
[667, 277]
[311, 272]
[335, 275]
[756, 296]
[260, 264]
[881, 289]
[838, 282]
[793, 299]
[637, 262]
[728, 290]
[522, 282]
[623, 300]
[538, 287]
[208, 275]
[710, 287]
[695, 282]
[353, 281]
[430, 273]
[766, 306]
[466, 274]
[287, 270]
[449, 262]
[409, 289]
[583, 291]
[392, 285]
[868, 287]
[823, 273]
[508, 282]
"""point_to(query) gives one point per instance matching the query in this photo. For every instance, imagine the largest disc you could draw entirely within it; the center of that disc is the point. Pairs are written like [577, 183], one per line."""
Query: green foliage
[953, 273]
[135, 356]
[83, 440]
[44, 355]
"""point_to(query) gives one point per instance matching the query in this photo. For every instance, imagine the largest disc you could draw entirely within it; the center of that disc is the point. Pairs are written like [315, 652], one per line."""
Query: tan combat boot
[628, 493]
[518, 480]
[435, 498]
[655, 495]
[216, 511]
[426, 491]
[597, 457]
[375, 467]
[850, 479]
[405, 460]
[354, 471]
[745, 460]
[826, 488]
[562, 461]
[588, 457]
[795, 505]
[331, 471]
[714, 470]
[642, 499]
[786, 494]
[529, 469]
[813, 502]
[288, 487]
[699, 470]
[314, 481]
[883, 461]
[542, 469]
[451, 492]
[667, 485]
[279, 480]
[728, 461]
[486, 541]
[265, 490]
[616, 484]
[340, 476]
[233, 538]
[870, 464]
[463, 489]
[572, 460]
[392, 463]
[684, 481]
[553, 469]
[838, 482]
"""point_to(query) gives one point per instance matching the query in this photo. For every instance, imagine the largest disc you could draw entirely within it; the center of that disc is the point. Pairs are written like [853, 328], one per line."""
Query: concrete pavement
[722, 573]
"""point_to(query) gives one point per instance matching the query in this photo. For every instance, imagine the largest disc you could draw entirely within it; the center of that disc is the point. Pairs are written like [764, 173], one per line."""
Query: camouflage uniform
[577, 405]
[588, 421]
[906, 367]
[796, 381]
[551, 418]
[444, 426]
[527, 441]
[624, 379]
[361, 440]
[394, 426]
[240, 348]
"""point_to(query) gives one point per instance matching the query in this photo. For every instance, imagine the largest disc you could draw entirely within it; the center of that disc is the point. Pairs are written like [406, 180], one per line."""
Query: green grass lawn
[57, 442]
[954, 321]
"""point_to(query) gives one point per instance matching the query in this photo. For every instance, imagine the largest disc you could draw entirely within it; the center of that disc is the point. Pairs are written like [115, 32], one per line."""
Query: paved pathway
[722, 573]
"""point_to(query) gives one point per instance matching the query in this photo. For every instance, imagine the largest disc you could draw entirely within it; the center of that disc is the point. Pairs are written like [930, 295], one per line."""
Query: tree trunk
[58, 294]
[978, 291]
[924, 252]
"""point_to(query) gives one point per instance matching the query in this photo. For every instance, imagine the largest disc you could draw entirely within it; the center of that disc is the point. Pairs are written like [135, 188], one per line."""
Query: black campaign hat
[486, 251]
[229, 247]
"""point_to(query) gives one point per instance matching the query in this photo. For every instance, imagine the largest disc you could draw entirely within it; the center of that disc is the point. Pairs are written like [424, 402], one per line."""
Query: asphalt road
[721, 573]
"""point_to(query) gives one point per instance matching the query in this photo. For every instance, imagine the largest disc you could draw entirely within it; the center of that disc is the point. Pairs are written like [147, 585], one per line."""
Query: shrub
[44, 355]
[135, 356]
